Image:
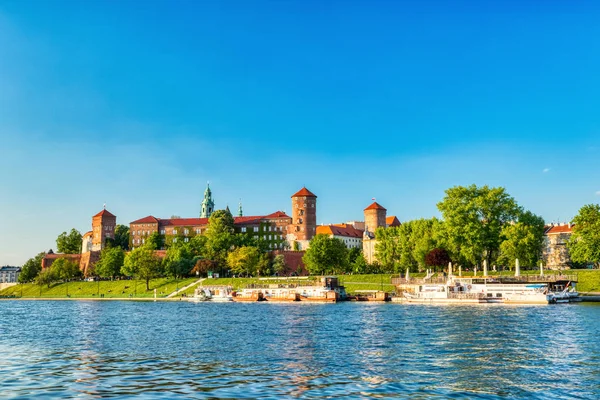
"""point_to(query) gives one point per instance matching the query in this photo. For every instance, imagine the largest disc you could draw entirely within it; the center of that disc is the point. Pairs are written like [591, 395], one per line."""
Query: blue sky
[139, 104]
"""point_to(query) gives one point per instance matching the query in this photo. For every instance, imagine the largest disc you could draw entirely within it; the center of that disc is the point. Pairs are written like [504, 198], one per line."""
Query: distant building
[555, 252]
[375, 217]
[278, 229]
[103, 227]
[347, 233]
[9, 274]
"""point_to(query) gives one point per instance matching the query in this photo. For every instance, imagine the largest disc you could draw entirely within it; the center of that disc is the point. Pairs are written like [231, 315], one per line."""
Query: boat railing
[419, 281]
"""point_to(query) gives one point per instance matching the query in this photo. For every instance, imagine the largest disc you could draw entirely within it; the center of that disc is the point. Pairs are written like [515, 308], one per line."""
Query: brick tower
[103, 226]
[374, 217]
[304, 215]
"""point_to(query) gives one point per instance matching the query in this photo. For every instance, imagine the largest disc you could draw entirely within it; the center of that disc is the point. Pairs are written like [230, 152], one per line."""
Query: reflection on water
[163, 350]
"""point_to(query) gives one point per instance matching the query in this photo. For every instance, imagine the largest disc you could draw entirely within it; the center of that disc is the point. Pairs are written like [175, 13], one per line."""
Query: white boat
[212, 293]
[515, 290]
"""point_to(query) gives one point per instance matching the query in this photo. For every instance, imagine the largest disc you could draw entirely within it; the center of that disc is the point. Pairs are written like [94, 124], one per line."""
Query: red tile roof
[557, 229]
[277, 214]
[375, 206]
[145, 220]
[340, 230]
[392, 221]
[204, 221]
[304, 192]
[104, 213]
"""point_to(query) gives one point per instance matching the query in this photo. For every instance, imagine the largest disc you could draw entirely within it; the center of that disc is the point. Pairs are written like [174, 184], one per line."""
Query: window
[243, 229]
[270, 227]
[301, 212]
[300, 220]
[143, 241]
[174, 240]
[265, 237]
[269, 237]
[174, 231]
[255, 237]
[162, 231]
[198, 231]
[256, 229]
[186, 231]
[186, 240]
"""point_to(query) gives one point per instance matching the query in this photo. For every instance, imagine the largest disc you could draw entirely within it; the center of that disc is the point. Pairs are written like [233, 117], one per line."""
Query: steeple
[208, 204]
[240, 213]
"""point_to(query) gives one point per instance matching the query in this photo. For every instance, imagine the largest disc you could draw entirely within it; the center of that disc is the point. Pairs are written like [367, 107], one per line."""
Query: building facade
[555, 251]
[9, 274]
[347, 233]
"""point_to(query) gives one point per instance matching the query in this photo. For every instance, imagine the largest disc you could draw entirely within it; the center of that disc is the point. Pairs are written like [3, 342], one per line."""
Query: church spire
[208, 204]
[240, 213]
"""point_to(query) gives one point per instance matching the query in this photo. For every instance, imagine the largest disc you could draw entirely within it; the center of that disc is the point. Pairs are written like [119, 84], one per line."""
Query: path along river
[62, 349]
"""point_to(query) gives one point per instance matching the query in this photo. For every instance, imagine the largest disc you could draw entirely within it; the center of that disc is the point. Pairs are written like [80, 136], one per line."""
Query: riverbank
[588, 286]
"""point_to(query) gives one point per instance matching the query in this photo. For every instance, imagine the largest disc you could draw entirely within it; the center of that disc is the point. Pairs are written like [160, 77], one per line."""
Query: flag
[373, 198]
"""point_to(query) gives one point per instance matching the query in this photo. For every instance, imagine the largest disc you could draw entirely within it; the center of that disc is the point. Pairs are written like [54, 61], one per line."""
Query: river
[62, 349]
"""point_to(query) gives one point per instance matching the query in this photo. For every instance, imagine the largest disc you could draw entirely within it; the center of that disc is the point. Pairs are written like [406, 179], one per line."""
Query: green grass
[110, 289]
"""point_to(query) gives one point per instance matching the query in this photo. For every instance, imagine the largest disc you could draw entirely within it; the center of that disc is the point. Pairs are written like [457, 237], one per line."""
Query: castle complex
[278, 230]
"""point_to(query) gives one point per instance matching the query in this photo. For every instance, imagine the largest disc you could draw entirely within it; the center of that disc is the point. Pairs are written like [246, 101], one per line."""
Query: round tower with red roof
[304, 215]
[374, 217]
[103, 226]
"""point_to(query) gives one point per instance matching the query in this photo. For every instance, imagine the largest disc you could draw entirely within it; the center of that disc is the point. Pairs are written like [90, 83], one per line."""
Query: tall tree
[474, 217]
[326, 255]
[278, 264]
[244, 260]
[178, 261]
[110, 263]
[584, 244]
[219, 237]
[142, 263]
[69, 243]
[31, 269]
[46, 277]
[522, 239]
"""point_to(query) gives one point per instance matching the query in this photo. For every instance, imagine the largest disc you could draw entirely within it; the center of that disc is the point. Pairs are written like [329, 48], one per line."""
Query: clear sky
[138, 104]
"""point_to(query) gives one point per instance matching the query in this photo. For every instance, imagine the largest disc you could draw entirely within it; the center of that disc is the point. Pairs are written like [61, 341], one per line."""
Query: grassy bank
[107, 289]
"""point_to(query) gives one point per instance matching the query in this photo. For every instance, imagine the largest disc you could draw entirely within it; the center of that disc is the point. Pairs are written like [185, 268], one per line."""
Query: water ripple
[165, 350]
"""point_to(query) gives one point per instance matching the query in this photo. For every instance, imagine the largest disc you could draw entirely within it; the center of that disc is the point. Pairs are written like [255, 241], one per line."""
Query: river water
[62, 349]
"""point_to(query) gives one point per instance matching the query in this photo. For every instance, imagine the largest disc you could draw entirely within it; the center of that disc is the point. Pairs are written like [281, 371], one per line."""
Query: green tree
[64, 269]
[178, 261]
[326, 255]
[110, 263]
[69, 243]
[142, 263]
[197, 245]
[474, 218]
[522, 239]
[219, 237]
[387, 247]
[31, 269]
[278, 264]
[46, 277]
[156, 241]
[359, 265]
[121, 238]
[584, 244]
[244, 260]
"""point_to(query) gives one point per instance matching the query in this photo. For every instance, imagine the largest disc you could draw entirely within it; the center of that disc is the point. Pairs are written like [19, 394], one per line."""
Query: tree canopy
[142, 263]
[121, 238]
[69, 243]
[584, 244]
[31, 268]
[326, 255]
[474, 218]
[110, 263]
[522, 240]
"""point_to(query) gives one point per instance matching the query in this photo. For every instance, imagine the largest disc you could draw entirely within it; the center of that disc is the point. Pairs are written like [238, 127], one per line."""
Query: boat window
[498, 294]
[489, 295]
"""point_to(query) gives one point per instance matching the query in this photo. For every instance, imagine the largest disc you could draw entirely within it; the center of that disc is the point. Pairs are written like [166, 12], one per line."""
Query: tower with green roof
[208, 204]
